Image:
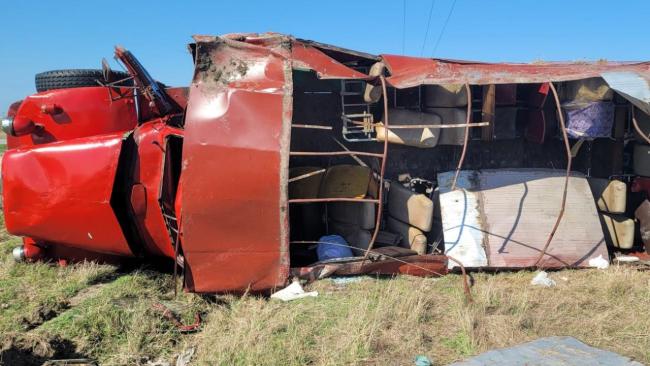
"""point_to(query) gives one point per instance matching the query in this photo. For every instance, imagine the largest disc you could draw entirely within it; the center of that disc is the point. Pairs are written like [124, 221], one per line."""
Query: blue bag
[333, 247]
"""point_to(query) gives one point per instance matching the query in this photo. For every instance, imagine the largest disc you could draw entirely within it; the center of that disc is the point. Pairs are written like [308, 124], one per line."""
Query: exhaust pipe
[19, 253]
[27, 252]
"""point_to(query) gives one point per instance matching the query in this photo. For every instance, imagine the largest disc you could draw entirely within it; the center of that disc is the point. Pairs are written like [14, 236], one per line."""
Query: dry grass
[373, 321]
[394, 320]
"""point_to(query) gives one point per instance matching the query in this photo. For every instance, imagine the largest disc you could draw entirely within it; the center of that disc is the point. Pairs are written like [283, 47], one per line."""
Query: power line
[442, 32]
[404, 27]
[426, 34]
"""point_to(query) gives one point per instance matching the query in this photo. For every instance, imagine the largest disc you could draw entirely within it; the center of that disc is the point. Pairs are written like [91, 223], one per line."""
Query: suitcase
[409, 207]
[421, 137]
[505, 123]
[643, 120]
[619, 231]
[445, 96]
[451, 136]
[361, 214]
[345, 181]
[610, 196]
[586, 90]
[642, 214]
[641, 160]
[412, 237]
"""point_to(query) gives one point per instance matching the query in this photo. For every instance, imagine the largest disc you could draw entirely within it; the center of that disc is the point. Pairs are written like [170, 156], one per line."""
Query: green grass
[101, 312]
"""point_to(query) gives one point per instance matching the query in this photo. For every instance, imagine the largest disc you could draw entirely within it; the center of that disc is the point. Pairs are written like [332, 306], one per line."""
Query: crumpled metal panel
[235, 161]
[310, 58]
[412, 71]
[632, 86]
[146, 193]
[304, 55]
[61, 193]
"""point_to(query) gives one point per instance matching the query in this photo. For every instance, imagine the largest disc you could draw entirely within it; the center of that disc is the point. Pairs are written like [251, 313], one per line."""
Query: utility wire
[444, 27]
[426, 34]
[403, 27]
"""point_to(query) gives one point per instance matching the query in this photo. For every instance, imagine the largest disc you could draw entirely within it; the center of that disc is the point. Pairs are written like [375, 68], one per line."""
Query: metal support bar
[405, 127]
[315, 200]
[334, 153]
[311, 174]
[466, 139]
[314, 127]
[381, 172]
[567, 147]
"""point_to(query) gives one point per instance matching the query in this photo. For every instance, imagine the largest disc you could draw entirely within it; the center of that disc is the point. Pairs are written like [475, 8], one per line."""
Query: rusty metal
[307, 175]
[466, 139]
[167, 313]
[568, 173]
[381, 172]
[315, 200]
[334, 153]
[378, 255]
[406, 127]
[314, 127]
[638, 128]
[466, 284]
[409, 72]
[453, 125]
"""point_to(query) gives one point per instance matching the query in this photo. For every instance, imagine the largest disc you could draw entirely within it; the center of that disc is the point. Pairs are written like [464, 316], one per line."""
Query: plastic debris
[599, 262]
[342, 281]
[422, 360]
[542, 279]
[626, 259]
[292, 292]
[185, 357]
[566, 351]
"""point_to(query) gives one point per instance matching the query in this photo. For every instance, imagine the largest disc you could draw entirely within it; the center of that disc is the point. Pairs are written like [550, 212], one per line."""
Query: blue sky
[37, 36]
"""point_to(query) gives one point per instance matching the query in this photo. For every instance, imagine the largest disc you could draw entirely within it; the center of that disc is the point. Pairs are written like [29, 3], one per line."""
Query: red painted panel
[413, 71]
[148, 176]
[308, 57]
[234, 222]
[83, 112]
[61, 192]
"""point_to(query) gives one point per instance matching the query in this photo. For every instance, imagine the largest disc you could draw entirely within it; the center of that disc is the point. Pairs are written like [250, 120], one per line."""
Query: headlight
[8, 125]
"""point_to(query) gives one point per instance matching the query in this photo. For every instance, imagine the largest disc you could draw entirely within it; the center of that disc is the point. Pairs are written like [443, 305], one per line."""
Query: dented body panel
[234, 209]
[61, 193]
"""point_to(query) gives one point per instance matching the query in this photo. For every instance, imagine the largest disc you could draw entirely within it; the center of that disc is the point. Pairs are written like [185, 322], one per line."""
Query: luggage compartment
[518, 132]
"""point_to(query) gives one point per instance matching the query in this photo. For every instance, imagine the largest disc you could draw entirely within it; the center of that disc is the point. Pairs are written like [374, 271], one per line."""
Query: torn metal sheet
[415, 265]
[413, 71]
[502, 219]
[632, 86]
[305, 57]
[235, 164]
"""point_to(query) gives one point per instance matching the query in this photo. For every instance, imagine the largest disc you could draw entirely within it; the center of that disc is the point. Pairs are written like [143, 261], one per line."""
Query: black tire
[76, 78]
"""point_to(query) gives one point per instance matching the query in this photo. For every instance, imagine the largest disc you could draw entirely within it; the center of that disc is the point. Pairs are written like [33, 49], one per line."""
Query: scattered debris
[621, 258]
[342, 281]
[542, 279]
[71, 362]
[422, 360]
[185, 357]
[292, 292]
[599, 262]
[158, 363]
[549, 351]
[167, 313]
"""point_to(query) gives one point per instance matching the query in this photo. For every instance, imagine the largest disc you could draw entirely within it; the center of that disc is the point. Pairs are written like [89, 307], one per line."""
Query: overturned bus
[288, 158]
